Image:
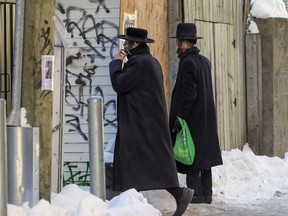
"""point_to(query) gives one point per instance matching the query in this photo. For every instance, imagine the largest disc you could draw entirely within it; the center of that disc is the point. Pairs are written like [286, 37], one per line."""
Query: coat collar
[139, 49]
[192, 50]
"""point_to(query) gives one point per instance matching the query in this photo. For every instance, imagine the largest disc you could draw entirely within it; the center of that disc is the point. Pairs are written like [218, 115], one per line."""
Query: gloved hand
[177, 126]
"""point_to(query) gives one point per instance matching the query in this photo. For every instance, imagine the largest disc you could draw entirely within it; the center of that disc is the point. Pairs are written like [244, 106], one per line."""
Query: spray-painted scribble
[45, 33]
[100, 3]
[69, 60]
[80, 82]
[99, 37]
[74, 121]
[90, 70]
[75, 176]
[45, 49]
[113, 122]
[82, 27]
[78, 103]
[82, 178]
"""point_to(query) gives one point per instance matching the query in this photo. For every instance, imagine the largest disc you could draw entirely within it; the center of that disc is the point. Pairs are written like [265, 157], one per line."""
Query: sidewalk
[274, 208]
[165, 203]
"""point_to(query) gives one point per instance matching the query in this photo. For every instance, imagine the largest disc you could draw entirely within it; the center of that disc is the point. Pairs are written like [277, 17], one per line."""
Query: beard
[127, 48]
[179, 50]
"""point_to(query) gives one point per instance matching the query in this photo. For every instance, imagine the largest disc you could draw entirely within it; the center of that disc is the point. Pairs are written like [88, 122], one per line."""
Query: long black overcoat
[192, 100]
[143, 157]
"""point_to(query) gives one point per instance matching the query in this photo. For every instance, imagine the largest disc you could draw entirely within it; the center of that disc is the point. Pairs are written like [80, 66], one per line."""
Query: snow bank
[264, 9]
[268, 8]
[74, 201]
[248, 178]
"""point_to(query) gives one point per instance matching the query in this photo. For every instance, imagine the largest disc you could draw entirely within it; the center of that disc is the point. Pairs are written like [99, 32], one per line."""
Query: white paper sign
[130, 20]
[47, 72]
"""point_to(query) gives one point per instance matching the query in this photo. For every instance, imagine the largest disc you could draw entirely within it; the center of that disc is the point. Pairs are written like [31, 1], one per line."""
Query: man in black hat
[192, 100]
[143, 156]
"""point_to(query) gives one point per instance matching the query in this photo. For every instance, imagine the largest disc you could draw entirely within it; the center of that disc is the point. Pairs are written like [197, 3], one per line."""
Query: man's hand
[121, 54]
[177, 126]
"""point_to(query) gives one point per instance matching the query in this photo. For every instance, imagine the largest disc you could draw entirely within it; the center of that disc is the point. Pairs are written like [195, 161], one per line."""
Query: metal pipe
[3, 158]
[96, 147]
[14, 116]
[23, 165]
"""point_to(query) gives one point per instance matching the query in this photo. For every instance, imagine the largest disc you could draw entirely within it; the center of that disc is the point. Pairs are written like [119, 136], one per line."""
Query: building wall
[274, 66]
[88, 32]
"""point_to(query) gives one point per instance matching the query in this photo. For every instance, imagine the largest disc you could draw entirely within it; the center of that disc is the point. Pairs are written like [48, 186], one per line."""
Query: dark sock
[175, 192]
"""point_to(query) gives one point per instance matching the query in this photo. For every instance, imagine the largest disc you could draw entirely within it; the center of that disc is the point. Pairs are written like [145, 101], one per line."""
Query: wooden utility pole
[38, 41]
[175, 17]
[150, 18]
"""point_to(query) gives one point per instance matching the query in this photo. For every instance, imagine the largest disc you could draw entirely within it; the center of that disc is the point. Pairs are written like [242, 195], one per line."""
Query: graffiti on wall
[82, 178]
[82, 27]
[93, 33]
[75, 176]
[46, 46]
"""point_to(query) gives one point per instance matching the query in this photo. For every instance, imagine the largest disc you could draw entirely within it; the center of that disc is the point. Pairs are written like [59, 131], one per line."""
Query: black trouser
[175, 192]
[201, 182]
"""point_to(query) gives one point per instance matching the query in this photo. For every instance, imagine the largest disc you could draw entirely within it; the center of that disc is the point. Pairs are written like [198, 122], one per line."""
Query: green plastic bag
[184, 149]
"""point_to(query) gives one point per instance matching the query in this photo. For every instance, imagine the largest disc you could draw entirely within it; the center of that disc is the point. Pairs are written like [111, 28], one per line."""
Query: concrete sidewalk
[162, 200]
[271, 208]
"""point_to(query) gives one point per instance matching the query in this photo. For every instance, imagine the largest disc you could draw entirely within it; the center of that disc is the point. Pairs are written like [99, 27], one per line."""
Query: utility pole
[39, 41]
[148, 17]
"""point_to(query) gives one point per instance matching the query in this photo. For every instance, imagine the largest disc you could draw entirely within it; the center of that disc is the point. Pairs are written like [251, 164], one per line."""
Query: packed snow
[261, 177]
[243, 178]
[263, 9]
[268, 8]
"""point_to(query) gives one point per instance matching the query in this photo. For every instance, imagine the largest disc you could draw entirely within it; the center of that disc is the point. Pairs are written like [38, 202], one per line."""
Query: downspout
[14, 115]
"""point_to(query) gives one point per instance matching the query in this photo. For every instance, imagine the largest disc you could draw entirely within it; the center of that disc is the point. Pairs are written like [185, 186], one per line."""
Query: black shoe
[202, 199]
[183, 201]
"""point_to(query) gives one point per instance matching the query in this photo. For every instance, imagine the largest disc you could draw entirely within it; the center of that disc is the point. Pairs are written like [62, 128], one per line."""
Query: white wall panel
[89, 32]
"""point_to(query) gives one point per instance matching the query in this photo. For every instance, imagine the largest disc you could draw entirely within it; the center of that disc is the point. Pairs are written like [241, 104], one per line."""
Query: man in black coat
[192, 100]
[143, 156]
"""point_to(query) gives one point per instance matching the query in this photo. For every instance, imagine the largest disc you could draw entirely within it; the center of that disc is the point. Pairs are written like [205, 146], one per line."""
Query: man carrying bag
[192, 100]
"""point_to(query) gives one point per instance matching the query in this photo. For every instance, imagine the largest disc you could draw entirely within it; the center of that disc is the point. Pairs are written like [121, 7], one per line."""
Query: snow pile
[244, 178]
[268, 8]
[264, 9]
[247, 178]
[131, 203]
[73, 201]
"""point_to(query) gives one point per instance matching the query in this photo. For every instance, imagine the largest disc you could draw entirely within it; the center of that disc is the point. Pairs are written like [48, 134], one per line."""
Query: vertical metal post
[3, 159]
[23, 165]
[14, 116]
[96, 147]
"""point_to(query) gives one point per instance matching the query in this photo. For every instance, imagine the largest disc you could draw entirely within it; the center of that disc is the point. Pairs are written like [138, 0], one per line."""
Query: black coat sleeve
[188, 89]
[124, 80]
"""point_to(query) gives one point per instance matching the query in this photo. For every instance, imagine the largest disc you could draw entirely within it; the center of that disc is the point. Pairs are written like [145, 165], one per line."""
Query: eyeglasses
[126, 42]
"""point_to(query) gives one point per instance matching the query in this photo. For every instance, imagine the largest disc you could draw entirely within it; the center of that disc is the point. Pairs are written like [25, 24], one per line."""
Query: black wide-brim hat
[186, 31]
[137, 35]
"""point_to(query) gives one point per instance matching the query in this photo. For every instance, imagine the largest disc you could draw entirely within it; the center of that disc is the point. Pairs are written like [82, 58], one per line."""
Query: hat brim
[187, 38]
[136, 39]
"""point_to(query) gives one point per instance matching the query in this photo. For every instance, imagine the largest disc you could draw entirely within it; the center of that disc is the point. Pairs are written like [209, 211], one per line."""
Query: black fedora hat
[186, 31]
[137, 35]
